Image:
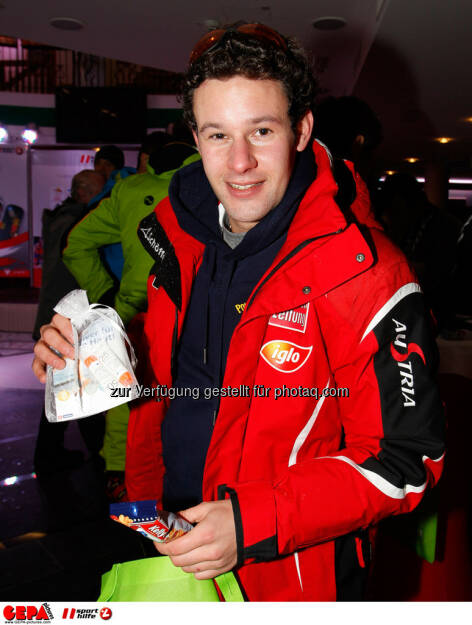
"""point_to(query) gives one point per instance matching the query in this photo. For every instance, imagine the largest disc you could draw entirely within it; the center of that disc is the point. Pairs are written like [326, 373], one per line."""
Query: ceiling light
[30, 134]
[463, 181]
[460, 180]
[412, 159]
[443, 139]
[3, 134]
[329, 23]
[10, 480]
[66, 23]
[382, 178]
[390, 172]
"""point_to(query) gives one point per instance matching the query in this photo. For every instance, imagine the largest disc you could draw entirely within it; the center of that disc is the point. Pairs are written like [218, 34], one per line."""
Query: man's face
[247, 144]
[104, 167]
[95, 183]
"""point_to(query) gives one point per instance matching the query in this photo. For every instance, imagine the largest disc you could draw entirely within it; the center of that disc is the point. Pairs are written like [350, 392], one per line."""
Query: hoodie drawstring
[208, 264]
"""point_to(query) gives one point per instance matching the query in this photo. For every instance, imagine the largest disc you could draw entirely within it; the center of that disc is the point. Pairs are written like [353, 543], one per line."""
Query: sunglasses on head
[215, 38]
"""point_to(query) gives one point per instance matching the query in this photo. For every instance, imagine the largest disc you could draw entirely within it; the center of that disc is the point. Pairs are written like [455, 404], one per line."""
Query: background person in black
[428, 237]
[50, 454]
[108, 159]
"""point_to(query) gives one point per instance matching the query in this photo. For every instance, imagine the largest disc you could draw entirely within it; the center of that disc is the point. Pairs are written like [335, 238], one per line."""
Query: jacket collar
[316, 269]
[321, 250]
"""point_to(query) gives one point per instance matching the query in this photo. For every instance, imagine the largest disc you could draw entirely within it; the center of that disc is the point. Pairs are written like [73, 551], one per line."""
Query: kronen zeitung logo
[285, 356]
[291, 319]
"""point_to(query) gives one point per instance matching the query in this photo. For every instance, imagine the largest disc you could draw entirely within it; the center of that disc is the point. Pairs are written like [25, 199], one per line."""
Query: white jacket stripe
[301, 438]
[406, 289]
[380, 482]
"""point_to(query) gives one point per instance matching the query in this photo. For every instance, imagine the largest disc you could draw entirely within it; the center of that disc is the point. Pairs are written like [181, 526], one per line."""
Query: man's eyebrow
[254, 121]
[265, 118]
[209, 125]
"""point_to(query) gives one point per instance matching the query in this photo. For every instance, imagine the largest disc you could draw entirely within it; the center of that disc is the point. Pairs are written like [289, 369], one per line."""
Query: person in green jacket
[115, 220]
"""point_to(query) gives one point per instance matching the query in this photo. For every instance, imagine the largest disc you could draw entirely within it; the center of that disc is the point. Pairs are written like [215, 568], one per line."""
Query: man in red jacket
[287, 339]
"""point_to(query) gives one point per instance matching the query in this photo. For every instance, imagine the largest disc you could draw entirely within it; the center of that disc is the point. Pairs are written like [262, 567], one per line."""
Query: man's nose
[242, 157]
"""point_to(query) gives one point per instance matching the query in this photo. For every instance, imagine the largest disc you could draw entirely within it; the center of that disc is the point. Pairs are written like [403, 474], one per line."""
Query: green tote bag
[157, 579]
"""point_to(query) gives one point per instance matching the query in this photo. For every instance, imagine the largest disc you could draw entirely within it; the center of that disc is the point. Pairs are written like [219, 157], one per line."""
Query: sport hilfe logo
[295, 319]
[27, 613]
[87, 613]
[285, 356]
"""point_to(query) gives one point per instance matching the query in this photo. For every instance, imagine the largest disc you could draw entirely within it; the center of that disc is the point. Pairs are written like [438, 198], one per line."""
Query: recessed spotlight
[390, 172]
[329, 23]
[66, 23]
[412, 159]
[443, 139]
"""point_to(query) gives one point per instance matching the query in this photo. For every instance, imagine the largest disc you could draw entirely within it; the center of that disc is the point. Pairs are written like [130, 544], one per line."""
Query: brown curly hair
[240, 54]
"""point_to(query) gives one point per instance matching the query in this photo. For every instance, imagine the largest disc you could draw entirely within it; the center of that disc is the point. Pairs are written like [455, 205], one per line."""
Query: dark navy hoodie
[224, 281]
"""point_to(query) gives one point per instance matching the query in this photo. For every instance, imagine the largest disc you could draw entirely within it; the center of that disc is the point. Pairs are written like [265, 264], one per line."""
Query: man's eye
[217, 136]
[263, 132]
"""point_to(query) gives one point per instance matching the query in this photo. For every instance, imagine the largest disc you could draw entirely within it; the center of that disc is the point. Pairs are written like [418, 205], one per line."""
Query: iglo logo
[285, 356]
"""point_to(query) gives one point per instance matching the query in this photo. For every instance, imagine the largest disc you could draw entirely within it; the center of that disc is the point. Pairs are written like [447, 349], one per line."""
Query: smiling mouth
[243, 187]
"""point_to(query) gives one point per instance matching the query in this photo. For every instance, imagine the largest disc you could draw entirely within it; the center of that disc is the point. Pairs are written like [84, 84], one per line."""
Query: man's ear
[195, 138]
[304, 130]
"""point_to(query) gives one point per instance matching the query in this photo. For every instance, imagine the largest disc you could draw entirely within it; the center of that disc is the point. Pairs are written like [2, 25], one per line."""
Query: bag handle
[229, 587]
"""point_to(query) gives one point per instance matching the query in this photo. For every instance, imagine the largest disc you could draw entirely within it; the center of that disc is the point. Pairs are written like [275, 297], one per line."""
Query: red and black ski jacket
[342, 425]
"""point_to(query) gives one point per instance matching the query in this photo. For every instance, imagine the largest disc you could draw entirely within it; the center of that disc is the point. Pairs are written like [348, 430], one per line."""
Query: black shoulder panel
[412, 414]
[166, 269]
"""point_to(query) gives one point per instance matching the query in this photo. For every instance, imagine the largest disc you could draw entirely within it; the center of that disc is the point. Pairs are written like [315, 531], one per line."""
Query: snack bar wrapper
[145, 518]
[102, 374]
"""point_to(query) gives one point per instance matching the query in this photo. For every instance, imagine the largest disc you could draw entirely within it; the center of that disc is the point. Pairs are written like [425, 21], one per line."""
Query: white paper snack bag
[101, 375]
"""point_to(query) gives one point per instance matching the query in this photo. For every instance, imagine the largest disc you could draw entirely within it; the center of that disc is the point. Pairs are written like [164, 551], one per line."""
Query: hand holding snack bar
[210, 548]
[145, 518]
